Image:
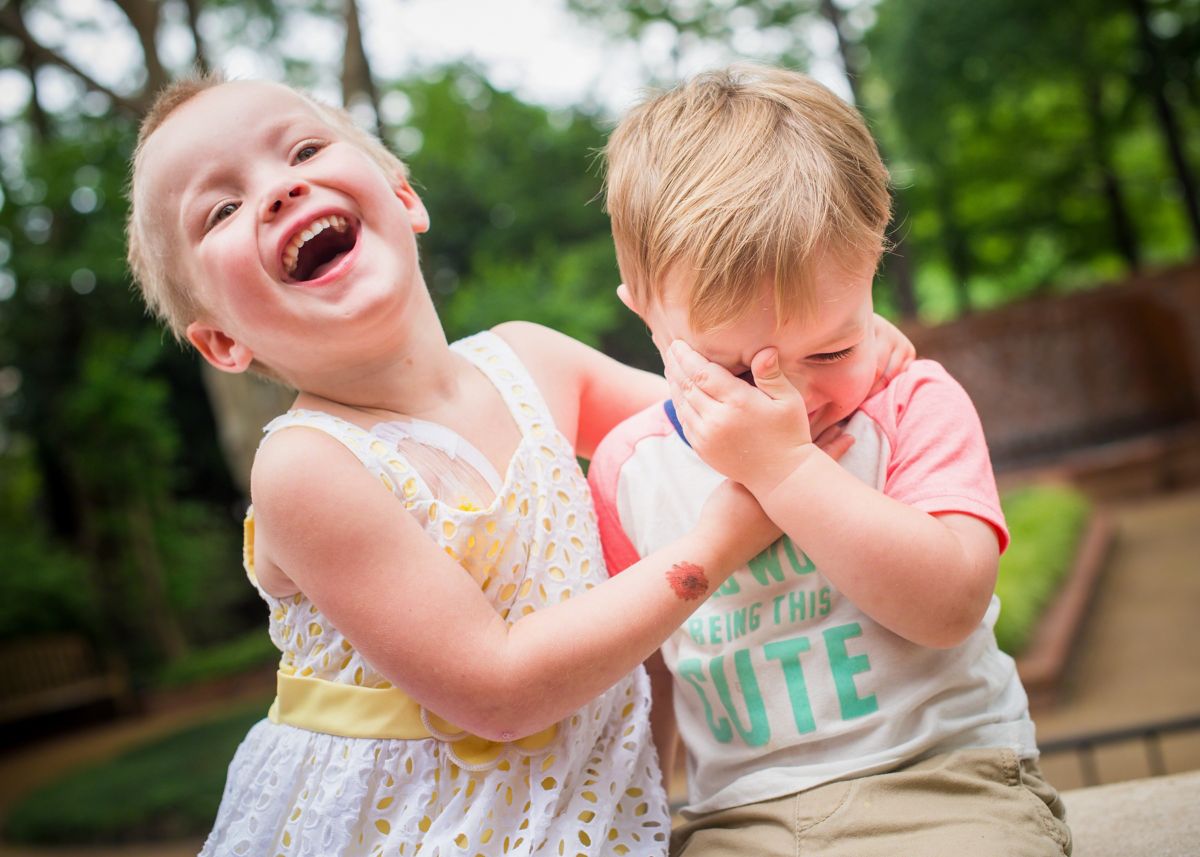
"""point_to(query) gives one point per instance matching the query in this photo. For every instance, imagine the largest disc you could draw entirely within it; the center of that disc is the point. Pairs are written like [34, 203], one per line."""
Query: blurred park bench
[55, 673]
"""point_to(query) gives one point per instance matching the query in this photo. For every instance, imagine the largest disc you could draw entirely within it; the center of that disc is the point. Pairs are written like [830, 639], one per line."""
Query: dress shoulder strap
[380, 458]
[505, 370]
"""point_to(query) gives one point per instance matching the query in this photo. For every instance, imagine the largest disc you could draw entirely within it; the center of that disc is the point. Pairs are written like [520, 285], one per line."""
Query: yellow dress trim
[382, 713]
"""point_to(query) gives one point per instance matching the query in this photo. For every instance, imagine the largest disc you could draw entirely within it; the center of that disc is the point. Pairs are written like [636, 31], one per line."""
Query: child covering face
[454, 675]
[841, 693]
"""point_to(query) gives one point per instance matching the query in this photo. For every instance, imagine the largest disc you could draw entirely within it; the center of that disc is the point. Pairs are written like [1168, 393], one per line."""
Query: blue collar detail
[669, 407]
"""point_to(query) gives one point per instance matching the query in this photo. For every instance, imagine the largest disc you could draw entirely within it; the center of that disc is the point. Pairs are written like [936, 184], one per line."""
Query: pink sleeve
[939, 461]
[604, 473]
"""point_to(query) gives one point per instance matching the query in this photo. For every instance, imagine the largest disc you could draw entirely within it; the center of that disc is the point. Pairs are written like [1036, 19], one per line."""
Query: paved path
[1136, 660]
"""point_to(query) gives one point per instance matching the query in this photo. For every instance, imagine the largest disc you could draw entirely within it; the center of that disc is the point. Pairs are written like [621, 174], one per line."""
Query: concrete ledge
[1156, 817]
[1043, 662]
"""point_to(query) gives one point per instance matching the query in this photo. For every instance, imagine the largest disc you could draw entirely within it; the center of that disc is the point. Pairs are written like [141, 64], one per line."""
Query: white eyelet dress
[590, 785]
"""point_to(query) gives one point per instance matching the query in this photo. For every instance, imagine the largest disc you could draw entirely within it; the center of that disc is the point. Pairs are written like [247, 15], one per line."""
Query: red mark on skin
[687, 580]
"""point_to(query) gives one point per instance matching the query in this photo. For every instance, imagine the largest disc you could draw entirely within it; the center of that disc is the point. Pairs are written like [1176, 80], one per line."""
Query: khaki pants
[970, 803]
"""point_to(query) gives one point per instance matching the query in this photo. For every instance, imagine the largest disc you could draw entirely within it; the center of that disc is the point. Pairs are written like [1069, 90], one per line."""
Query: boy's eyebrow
[852, 325]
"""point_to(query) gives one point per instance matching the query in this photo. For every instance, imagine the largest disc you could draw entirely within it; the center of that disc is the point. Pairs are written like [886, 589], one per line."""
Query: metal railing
[1149, 734]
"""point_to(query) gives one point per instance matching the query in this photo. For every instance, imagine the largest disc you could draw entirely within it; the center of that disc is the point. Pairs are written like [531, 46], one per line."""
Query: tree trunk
[356, 70]
[1167, 121]
[193, 12]
[958, 249]
[833, 15]
[242, 405]
[38, 118]
[144, 15]
[1124, 233]
[899, 263]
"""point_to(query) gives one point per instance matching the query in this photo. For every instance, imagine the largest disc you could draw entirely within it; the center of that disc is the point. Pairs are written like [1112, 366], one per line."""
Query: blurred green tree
[1027, 136]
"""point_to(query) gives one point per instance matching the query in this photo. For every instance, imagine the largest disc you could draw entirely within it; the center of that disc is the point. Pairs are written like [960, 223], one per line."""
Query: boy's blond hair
[741, 176]
[168, 297]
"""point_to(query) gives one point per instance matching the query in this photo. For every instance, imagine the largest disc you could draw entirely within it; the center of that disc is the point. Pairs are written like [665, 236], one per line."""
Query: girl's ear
[416, 209]
[220, 349]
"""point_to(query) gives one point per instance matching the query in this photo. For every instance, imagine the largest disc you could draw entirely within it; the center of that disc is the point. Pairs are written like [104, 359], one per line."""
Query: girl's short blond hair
[167, 296]
[742, 176]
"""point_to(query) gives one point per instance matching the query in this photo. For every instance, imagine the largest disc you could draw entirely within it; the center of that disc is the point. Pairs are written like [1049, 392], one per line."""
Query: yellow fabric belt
[375, 712]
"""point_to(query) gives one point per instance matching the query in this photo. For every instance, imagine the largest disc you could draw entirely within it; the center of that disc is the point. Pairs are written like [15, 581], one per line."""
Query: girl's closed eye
[832, 356]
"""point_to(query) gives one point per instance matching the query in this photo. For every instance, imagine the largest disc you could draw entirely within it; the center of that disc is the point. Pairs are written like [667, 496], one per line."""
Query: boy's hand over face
[755, 435]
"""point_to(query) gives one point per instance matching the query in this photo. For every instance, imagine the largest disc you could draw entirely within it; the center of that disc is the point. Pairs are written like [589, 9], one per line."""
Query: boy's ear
[220, 349]
[416, 209]
[626, 298]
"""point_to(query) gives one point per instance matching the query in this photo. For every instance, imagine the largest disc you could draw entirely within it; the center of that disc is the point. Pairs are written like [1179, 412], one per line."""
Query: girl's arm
[340, 536]
[587, 391]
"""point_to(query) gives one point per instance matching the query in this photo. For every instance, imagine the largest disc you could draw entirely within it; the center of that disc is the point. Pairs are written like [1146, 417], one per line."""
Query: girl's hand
[735, 524]
[834, 442]
[895, 353]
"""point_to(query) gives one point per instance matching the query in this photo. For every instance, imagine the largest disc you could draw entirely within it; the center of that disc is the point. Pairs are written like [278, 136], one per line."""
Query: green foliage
[1025, 137]
[104, 423]
[518, 231]
[570, 289]
[207, 587]
[164, 790]
[44, 587]
[1047, 524]
[250, 650]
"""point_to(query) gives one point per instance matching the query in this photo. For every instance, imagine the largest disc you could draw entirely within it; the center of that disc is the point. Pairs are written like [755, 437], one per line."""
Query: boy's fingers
[682, 390]
[687, 416]
[705, 375]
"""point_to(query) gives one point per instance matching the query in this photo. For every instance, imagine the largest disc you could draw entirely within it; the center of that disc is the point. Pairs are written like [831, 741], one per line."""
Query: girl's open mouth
[317, 248]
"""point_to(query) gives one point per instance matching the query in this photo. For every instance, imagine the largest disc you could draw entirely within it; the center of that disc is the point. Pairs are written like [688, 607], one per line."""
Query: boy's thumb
[768, 377]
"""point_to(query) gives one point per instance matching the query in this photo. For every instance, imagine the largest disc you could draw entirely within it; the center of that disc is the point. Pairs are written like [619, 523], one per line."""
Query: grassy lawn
[166, 789]
[1047, 523]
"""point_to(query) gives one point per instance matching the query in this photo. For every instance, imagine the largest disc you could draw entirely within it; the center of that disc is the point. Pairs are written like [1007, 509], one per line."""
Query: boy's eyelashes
[832, 356]
[744, 373]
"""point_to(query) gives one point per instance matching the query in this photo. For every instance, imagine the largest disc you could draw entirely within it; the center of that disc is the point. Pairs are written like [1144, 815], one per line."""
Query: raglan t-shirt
[780, 682]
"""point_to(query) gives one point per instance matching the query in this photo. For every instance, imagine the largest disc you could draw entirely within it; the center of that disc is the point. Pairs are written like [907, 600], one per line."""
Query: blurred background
[1047, 224]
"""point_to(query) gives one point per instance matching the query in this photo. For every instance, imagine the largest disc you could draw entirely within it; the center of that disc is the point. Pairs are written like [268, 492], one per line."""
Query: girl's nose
[281, 197]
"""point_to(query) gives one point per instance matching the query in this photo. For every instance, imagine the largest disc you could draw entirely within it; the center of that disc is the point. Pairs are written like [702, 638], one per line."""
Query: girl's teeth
[291, 253]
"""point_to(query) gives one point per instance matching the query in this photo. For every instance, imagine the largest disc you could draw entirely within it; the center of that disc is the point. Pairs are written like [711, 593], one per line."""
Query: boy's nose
[281, 197]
